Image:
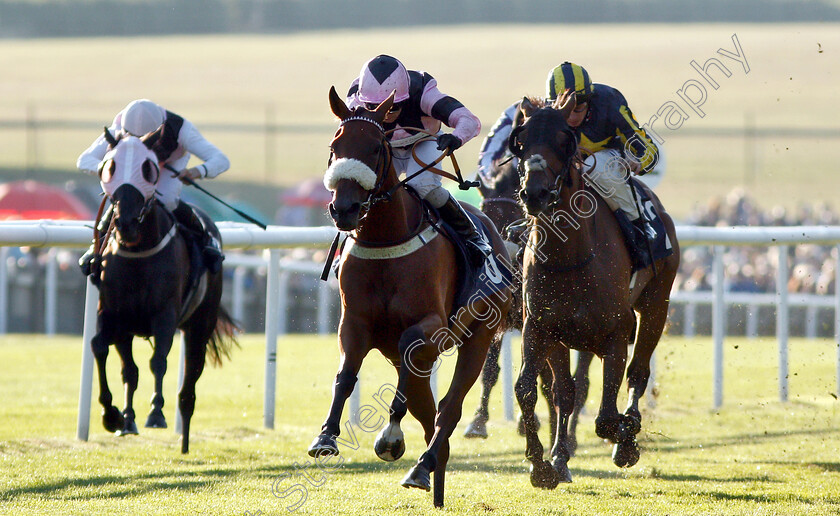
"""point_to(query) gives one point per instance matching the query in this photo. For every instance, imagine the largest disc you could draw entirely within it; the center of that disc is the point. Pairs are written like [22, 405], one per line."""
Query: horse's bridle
[383, 164]
[145, 210]
[518, 150]
[147, 207]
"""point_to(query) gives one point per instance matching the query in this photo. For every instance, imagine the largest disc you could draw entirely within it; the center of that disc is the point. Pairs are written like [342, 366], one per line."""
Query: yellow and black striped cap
[569, 76]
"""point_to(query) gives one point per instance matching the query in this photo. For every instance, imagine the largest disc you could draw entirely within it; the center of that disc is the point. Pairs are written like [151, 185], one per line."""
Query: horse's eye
[150, 171]
[106, 171]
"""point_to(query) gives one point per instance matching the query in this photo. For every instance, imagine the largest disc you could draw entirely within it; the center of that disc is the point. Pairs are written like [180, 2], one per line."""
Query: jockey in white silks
[178, 141]
[419, 103]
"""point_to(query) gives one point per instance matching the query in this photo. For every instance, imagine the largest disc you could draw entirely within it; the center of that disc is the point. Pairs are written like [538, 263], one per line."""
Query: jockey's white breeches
[609, 178]
[168, 189]
[404, 163]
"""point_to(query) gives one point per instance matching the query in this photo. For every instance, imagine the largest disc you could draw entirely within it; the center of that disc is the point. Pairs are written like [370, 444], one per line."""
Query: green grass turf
[284, 79]
[754, 456]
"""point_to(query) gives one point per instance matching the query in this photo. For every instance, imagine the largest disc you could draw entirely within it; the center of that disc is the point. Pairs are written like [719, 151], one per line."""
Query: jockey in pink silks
[419, 103]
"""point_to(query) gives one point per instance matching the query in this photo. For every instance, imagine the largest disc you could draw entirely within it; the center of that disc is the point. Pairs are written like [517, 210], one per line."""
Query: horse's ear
[382, 109]
[150, 139]
[526, 107]
[112, 141]
[566, 103]
[339, 108]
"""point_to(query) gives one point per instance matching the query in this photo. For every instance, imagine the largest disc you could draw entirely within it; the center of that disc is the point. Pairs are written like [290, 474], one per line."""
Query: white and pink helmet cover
[379, 77]
[126, 164]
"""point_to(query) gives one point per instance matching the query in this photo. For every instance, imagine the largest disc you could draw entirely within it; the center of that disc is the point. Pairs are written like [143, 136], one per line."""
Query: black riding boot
[477, 246]
[211, 251]
[644, 237]
[87, 261]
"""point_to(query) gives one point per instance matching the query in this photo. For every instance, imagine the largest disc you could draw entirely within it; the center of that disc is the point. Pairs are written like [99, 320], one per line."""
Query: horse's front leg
[610, 424]
[417, 357]
[489, 377]
[471, 357]
[563, 400]
[535, 348]
[129, 378]
[581, 378]
[112, 419]
[163, 330]
[353, 344]
[651, 324]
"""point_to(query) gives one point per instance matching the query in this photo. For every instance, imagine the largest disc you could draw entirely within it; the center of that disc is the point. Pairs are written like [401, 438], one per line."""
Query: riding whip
[193, 183]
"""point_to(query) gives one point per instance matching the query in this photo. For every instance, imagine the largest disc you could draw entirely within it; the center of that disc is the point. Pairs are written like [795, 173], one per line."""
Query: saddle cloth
[661, 246]
[473, 284]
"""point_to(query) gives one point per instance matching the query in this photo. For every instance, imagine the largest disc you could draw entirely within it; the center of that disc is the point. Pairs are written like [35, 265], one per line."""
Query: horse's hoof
[390, 443]
[112, 419]
[562, 468]
[626, 453]
[632, 422]
[543, 475]
[520, 428]
[323, 445]
[130, 428]
[418, 477]
[476, 429]
[156, 419]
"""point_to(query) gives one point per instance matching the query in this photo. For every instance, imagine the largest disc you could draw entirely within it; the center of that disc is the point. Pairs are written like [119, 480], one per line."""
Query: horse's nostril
[523, 195]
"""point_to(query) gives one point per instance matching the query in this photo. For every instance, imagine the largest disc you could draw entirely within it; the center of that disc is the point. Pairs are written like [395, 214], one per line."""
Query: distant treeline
[45, 18]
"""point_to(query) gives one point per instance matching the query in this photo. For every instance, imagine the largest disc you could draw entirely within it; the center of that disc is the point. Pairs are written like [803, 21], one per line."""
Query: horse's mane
[541, 102]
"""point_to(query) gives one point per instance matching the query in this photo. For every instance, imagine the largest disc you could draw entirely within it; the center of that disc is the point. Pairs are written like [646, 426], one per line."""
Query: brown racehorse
[397, 297]
[500, 202]
[578, 292]
[143, 285]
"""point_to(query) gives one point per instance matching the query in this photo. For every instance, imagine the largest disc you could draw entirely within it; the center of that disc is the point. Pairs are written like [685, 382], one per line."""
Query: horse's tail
[223, 338]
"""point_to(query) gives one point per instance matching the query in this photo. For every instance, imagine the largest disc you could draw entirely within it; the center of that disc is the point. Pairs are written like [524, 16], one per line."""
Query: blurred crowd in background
[751, 268]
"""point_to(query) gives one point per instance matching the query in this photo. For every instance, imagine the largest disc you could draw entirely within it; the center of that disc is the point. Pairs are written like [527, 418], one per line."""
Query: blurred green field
[284, 79]
[755, 456]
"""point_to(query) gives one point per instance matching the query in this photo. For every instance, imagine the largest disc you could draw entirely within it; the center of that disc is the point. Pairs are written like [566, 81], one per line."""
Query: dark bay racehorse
[578, 291]
[145, 291]
[398, 284]
[500, 202]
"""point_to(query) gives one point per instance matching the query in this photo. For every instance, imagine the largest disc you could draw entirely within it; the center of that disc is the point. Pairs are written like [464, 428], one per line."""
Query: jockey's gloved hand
[448, 142]
[191, 173]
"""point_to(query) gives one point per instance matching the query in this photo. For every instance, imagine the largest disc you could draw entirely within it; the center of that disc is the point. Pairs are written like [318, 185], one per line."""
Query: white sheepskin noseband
[536, 163]
[349, 168]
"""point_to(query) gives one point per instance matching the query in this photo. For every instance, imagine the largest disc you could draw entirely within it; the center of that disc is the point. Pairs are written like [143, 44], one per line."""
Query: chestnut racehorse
[580, 292]
[398, 285]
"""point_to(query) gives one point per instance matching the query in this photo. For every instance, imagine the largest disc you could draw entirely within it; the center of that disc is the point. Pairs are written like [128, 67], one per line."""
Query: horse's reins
[383, 164]
[516, 148]
[457, 177]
